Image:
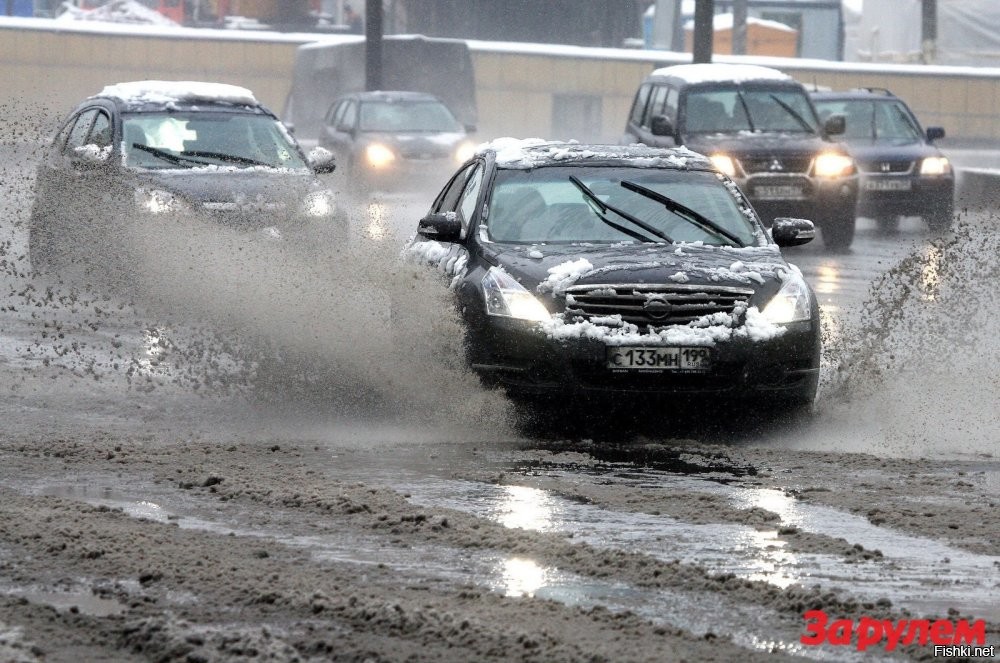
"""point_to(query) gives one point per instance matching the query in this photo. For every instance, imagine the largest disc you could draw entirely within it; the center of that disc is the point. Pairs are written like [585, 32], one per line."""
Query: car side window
[334, 113]
[448, 198]
[639, 105]
[670, 106]
[81, 128]
[655, 105]
[469, 198]
[100, 133]
[348, 118]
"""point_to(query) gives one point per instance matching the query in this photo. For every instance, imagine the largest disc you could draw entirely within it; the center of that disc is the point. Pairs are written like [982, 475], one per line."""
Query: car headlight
[724, 163]
[157, 201]
[379, 156]
[832, 164]
[508, 298]
[318, 203]
[464, 151]
[791, 304]
[935, 166]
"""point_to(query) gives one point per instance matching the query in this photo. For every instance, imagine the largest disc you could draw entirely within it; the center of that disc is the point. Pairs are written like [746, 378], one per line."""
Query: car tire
[838, 231]
[940, 218]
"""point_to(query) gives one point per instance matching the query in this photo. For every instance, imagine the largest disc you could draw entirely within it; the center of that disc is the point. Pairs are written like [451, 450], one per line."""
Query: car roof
[856, 93]
[528, 153]
[721, 73]
[393, 95]
[160, 95]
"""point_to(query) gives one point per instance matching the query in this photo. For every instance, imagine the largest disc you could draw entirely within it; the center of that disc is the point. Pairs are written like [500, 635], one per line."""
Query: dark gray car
[144, 154]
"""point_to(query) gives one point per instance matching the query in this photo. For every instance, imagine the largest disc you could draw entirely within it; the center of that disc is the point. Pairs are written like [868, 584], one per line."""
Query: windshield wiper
[604, 207]
[794, 113]
[166, 156]
[684, 212]
[222, 156]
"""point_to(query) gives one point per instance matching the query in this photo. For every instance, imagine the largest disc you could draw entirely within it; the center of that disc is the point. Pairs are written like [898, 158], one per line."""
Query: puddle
[77, 599]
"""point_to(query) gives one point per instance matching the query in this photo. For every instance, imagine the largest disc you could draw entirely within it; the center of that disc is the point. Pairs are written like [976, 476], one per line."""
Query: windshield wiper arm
[684, 212]
[604, 207]
[794, 113]
[222, 156]
[166, 156]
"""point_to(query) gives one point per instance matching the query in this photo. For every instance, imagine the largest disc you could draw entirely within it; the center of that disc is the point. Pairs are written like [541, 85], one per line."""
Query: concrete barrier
[977, 189]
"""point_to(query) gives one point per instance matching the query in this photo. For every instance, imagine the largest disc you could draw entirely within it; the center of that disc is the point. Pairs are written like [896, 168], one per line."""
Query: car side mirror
[792, 232]
[933, 133]
[660, 125]
[91, 156]
[440, 226]
[835, 125]
[321, 160]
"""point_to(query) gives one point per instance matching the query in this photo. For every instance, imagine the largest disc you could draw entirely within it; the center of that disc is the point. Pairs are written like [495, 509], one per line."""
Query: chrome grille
[653, 305]
[885, 167]
[776, 165]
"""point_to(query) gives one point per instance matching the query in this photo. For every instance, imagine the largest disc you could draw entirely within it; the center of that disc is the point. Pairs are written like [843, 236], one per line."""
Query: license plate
[778, 192]
[659, 359]
[888, 185]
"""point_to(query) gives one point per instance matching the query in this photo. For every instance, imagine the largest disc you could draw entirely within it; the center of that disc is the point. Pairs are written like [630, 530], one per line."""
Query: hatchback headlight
[725, 164]
[318, 203]
[791, 304]
[157, 201]
[464, 151]
[832, 164]
[508, 298]
[935, 166]
[379, 155]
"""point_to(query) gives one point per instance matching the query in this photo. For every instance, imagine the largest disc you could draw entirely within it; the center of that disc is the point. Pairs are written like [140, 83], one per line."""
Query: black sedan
[902, 172]
[142, 156]
[603, 269]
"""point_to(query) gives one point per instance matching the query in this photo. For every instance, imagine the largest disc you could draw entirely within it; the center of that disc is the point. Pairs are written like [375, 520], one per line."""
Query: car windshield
[749, 109]
[392, 116]
[546, 205]
[193, 139]
[868, 120]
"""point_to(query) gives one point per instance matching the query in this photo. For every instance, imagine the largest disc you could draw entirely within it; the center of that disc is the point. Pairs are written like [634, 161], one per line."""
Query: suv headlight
[379, 156]
[725, 164]
[791, 304]
[157, 201]
[508, 298]
[318, 203]
[935, 166]
[832, 164]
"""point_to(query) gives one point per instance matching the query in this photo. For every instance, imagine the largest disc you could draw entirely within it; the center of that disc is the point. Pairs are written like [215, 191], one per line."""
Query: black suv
[758, 126]
[902, 172]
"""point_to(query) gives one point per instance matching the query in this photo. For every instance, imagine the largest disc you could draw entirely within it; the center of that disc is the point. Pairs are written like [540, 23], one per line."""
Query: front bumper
[407, 174]
[512, 354]
[798, 196]
[924, 195]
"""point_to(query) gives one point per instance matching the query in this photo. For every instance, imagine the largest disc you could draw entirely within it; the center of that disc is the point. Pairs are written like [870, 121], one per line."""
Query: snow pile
[721, 73]
[534, 152]
[564, 275]
[449, 259]
[117, 11]
[165, 92]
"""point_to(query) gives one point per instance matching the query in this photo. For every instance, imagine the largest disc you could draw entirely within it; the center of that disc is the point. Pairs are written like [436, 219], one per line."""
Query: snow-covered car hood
[553, 268]
[232, 185]
[747, 142]
[419, 144]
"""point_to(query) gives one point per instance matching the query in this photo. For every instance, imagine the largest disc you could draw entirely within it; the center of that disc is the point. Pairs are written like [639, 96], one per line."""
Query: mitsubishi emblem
[775, 166]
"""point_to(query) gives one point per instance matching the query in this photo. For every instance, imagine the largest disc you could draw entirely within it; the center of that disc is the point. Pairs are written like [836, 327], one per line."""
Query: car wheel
[939, 219]
[838, 231]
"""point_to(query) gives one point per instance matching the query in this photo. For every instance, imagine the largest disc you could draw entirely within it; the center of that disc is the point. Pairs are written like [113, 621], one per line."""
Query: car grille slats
[653, 305]
[776, 164]
[887, 167]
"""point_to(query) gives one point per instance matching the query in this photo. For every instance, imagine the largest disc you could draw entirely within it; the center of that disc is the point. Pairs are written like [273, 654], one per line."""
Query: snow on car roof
[534, 152]
[165, 92]
[721, 73]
